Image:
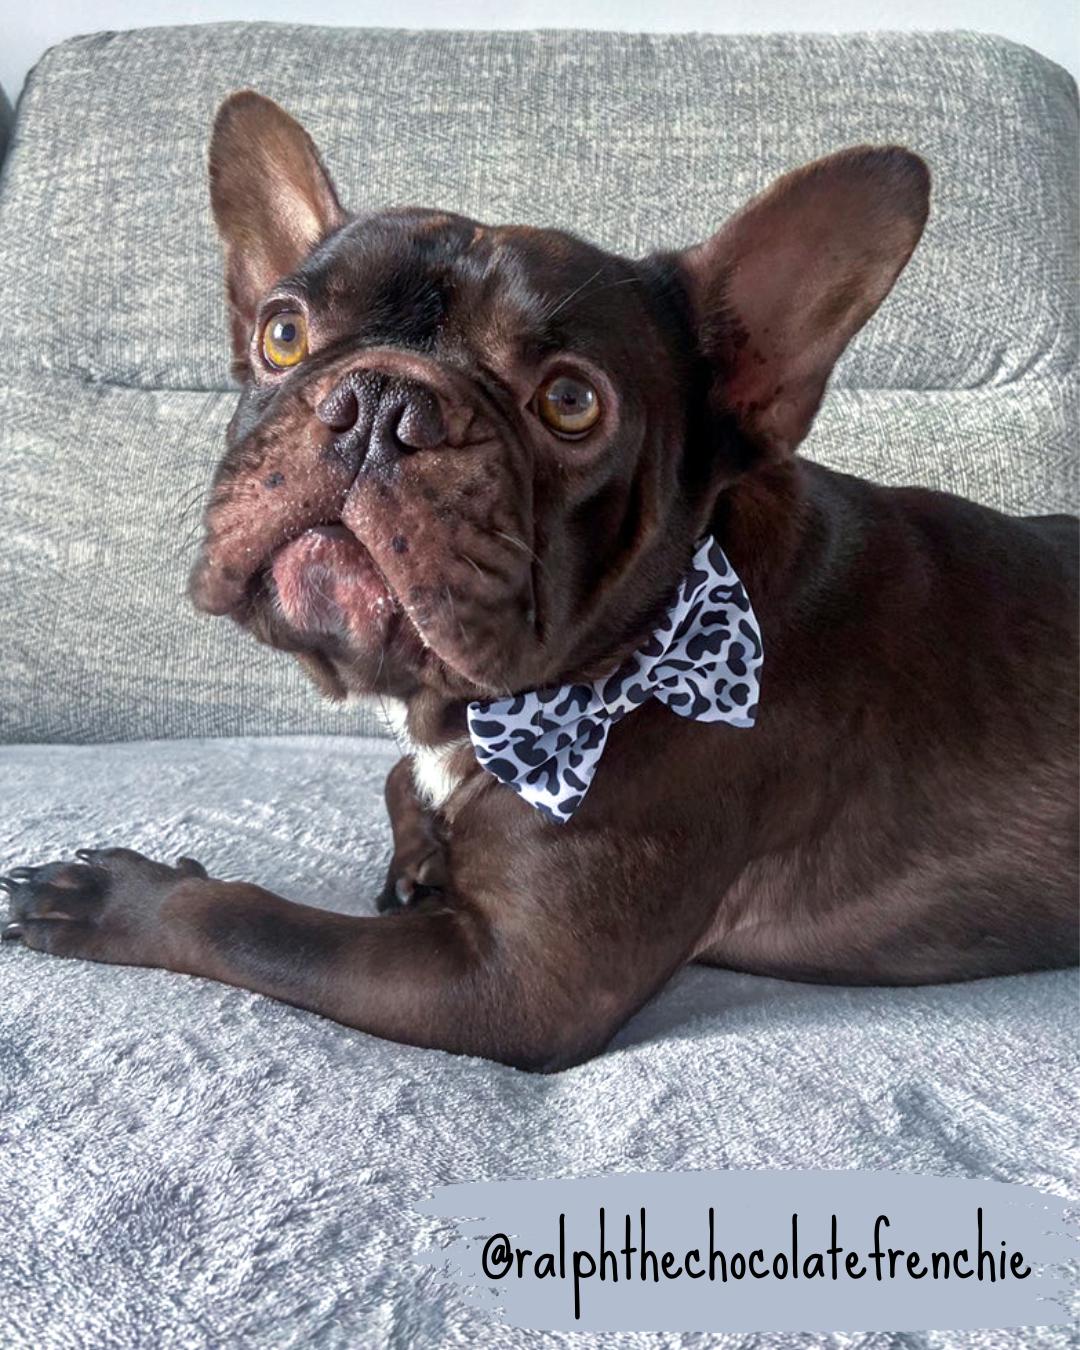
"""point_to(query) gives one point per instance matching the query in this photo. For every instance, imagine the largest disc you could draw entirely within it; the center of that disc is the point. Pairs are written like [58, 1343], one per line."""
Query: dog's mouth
[326, 582]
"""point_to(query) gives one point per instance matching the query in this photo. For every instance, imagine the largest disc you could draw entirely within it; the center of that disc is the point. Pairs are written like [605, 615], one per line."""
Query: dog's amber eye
[284, 339]
[569, 406]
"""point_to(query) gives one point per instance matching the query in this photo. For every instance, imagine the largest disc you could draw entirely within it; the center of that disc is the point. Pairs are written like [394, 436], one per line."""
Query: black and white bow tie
[703, 662]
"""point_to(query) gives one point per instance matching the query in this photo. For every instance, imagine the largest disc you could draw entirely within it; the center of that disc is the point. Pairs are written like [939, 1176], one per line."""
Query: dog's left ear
[273, 200]
[779, 291]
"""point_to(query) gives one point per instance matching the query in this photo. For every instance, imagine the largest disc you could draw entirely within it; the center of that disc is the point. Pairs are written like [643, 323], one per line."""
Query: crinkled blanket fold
[192, 1165]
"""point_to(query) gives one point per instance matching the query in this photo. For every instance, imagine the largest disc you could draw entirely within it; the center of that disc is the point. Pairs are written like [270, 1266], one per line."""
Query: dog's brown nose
[380, 417]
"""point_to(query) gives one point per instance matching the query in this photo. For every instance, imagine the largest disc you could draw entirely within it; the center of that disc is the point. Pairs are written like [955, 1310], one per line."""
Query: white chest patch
[432, 773]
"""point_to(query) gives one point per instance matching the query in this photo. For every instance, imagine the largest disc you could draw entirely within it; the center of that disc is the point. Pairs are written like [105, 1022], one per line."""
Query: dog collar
[703, 662]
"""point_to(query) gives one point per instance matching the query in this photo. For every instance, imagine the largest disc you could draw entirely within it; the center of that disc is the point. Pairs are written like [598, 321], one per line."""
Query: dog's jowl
[672, 692]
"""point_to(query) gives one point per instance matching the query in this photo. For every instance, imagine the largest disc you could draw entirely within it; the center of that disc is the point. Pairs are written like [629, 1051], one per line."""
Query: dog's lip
[339, 530]
[325, 580]
[331, 530]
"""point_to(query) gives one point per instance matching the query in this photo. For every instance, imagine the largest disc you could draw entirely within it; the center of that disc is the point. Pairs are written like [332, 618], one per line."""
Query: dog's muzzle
[372, 415]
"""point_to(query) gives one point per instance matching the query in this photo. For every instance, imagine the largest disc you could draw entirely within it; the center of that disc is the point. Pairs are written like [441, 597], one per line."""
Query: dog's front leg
[417, 871]
[459, 977]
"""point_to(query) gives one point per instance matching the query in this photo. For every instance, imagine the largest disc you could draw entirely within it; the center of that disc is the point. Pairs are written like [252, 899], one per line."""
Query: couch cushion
[187, 1164]
[7, 118]
[106, 487]
[108, 265]
[103, 497]
[103, 492]
[112, 397]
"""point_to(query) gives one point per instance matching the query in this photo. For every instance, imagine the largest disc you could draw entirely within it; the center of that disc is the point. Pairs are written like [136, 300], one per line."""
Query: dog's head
[475, 459]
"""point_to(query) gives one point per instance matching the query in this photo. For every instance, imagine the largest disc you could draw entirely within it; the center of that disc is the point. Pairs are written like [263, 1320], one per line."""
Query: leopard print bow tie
[703, 662]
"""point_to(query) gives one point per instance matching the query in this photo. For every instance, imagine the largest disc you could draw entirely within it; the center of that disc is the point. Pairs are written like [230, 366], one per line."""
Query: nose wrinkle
[340, 410]
[351, 409]
[343, 407]
[420, 425]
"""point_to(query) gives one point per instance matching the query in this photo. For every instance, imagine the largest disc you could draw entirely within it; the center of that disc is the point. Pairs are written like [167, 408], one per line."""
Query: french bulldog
[473, 470]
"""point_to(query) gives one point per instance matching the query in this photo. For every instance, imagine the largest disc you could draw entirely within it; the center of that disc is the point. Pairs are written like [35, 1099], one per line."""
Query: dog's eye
[569, 406]
[284, 339]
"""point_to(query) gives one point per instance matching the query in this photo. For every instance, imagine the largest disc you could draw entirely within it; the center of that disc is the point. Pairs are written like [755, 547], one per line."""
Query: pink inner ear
[781, 289]
[271, 196]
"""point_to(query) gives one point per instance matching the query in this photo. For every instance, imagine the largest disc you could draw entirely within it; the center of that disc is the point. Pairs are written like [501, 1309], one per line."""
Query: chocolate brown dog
[469, 462]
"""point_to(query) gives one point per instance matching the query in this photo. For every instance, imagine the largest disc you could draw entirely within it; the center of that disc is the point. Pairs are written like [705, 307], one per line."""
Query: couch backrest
[7, 117]
[113, 367]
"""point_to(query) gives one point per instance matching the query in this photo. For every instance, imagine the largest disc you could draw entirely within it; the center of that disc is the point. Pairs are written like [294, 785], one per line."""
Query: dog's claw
[11, 932]
[8, 884]
[21, 874]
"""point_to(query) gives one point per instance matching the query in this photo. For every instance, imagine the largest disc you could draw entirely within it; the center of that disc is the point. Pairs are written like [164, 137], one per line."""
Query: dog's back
[929, 732]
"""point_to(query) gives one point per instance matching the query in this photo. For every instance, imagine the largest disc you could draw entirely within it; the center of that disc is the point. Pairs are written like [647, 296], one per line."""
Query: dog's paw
[412, 882]
[107, 906]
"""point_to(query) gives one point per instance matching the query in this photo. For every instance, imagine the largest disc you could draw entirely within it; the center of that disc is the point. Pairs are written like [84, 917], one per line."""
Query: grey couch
[191, 1165]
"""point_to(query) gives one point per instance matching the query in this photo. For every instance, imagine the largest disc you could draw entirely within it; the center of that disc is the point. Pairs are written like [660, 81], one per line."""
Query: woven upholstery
[112, 281]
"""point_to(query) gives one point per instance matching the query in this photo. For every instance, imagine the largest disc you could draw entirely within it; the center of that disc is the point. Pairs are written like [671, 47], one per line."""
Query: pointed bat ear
[779, 291]
[273, 200]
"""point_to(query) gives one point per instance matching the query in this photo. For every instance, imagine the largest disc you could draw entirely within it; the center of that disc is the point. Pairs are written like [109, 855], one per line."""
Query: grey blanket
[187, 1164]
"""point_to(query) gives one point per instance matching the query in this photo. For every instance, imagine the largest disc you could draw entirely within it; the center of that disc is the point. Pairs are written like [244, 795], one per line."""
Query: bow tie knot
[703, 662]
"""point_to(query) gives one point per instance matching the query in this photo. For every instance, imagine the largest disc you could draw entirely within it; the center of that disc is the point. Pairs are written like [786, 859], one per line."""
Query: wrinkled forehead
[426, 277]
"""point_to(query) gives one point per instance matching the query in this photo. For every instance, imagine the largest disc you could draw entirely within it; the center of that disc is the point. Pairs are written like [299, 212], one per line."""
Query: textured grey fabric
[103, 485]
[189, 1165]
[112, 283]
[7, 119]
[105, 645]
[637, 141]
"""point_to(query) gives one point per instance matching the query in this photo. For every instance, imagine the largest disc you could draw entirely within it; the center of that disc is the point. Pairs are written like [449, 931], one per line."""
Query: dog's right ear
[779, 291]
[272, 198]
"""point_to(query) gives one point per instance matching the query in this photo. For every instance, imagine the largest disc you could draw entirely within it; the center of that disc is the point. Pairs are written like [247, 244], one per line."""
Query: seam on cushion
[1028, 378]
[15, 373]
